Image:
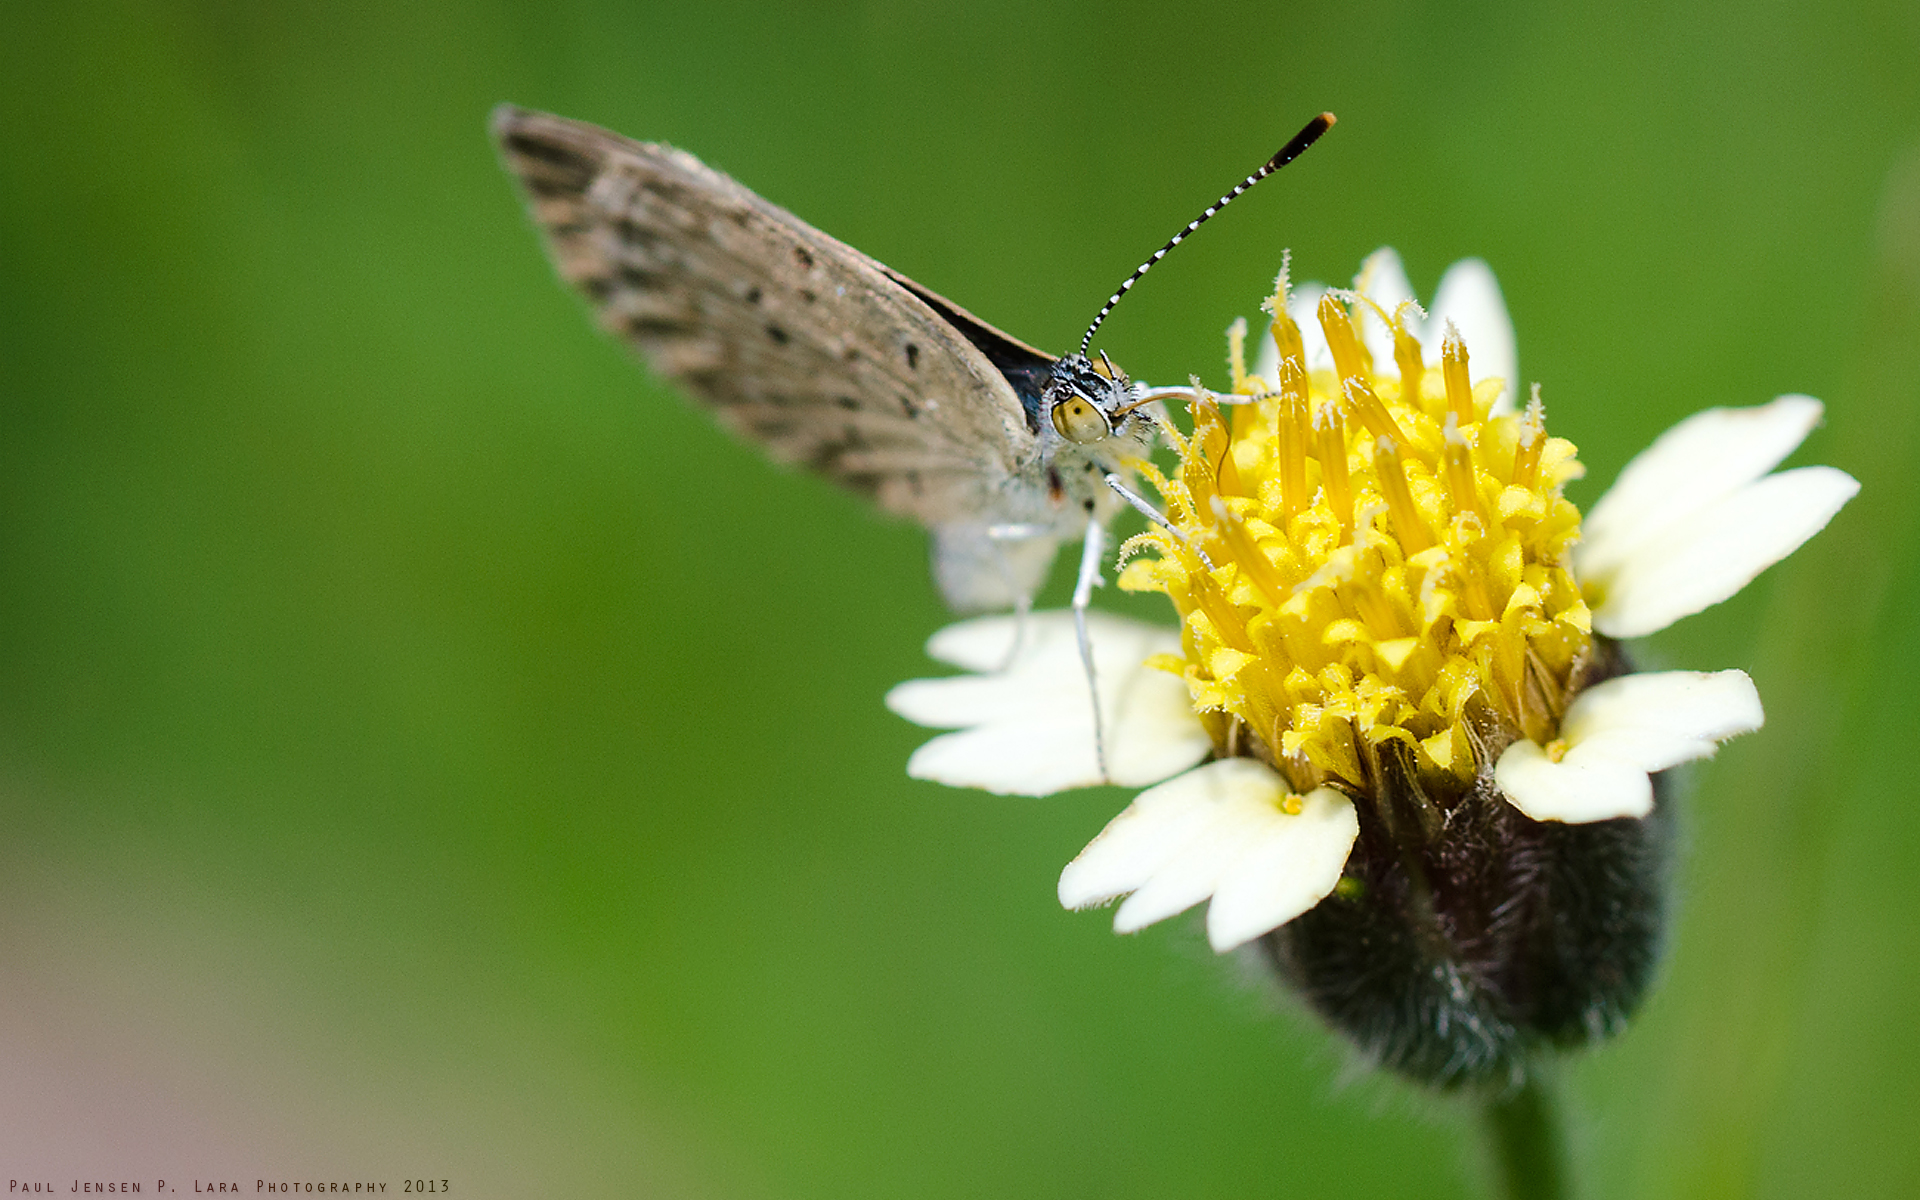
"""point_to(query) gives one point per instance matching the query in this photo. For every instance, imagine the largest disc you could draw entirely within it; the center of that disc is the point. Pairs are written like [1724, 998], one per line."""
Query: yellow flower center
[1368, 562]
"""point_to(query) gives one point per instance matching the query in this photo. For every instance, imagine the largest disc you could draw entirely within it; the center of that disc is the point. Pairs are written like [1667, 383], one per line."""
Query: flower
[1398, 676]
[1400, 650]
[1431, 607]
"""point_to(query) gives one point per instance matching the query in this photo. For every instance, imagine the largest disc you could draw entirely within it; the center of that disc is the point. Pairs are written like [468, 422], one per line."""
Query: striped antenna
[1292, 150]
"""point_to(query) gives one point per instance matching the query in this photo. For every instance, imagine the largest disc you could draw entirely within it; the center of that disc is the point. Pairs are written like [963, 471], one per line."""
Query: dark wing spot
[909, 407]
[753, 295]
[635, 234]
[673, 192]
[779, 335]
[848, 403]
[852, 354]
[825, 456]
[649, 326]
[633, 276]
[552, 153]
[913, 357]
[804, 258]
[808, 295]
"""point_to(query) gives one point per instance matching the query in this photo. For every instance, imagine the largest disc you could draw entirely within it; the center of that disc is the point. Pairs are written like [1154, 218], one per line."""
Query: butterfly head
[1090, 404]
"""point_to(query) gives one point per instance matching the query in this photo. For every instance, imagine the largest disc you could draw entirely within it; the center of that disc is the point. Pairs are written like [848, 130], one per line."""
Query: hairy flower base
[1501, 934]
[1552, 933]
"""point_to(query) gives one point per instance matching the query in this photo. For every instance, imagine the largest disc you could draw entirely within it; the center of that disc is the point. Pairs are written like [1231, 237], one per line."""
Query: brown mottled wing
[796, 340]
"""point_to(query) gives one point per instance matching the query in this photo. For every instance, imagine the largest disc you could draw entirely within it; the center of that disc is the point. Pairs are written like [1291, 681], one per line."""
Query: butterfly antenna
[1292, 150]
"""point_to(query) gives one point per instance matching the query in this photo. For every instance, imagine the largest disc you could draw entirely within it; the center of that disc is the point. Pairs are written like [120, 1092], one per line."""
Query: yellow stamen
[1286, 337]
[1532, 440]
[1453, 371]
[1248, 555]
[1210, 433]
[1459, 460]
[1349, 356]
[1372, 413]
[1291, 434]
[1392, 474]
[1474, 589]
[1226, 620]
[1407, 355]
[1330, 433]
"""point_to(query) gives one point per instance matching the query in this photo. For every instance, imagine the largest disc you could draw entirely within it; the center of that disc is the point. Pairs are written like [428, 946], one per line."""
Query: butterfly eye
[1080, 422]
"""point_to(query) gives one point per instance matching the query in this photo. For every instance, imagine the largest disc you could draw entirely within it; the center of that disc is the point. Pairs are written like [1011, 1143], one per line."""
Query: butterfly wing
[794, 339]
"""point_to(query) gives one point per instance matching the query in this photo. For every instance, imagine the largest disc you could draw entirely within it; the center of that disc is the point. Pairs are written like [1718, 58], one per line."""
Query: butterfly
[836, 362]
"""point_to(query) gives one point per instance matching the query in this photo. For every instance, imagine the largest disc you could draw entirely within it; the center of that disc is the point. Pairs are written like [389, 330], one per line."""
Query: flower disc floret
[1369, 560]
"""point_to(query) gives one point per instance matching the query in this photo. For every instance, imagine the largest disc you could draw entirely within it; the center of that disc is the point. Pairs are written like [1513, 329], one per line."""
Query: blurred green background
[429, 748]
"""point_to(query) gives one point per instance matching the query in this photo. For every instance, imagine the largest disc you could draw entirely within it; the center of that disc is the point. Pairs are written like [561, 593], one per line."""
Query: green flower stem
[1528, 1142]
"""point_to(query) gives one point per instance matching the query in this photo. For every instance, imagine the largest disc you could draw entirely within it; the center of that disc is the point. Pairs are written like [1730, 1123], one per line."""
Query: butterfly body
[831, 360]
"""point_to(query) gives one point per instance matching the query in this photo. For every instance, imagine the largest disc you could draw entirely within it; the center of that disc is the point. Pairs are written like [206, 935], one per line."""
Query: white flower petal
[1296, 861]
[1152, 733]
[1011, 760]
[1703, 459]
[984, 643]
[1044, 676]
[1702, 705]
[1218, 824]
[1574, 792]
[1643, 749]
[1239, 797]
[1383, 280]
[1159, 824]
[1469, 296]
[1713, 552]
[1028, 729]
[1620, 731]
[963, 700]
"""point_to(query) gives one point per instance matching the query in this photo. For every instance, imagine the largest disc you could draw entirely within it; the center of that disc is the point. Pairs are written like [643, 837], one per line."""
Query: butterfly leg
[1091, 548]
[1146, 509]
